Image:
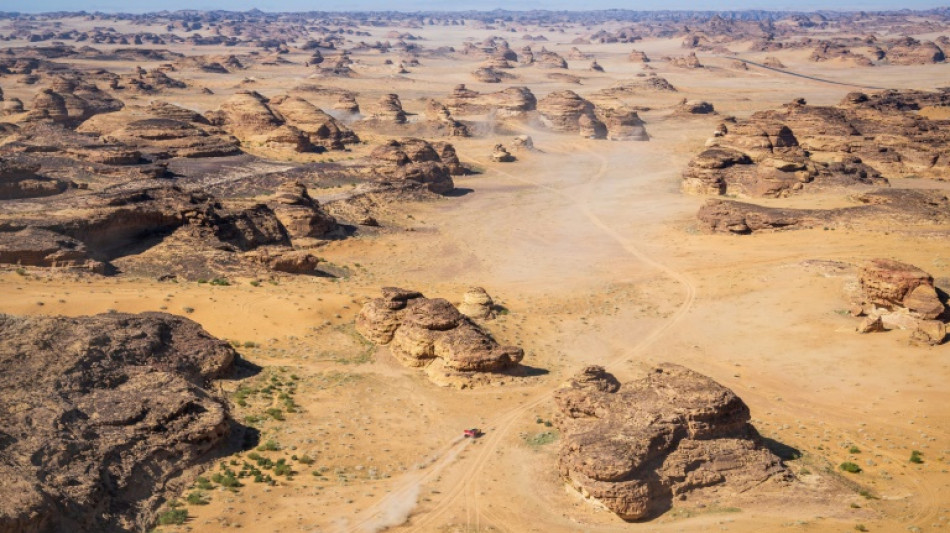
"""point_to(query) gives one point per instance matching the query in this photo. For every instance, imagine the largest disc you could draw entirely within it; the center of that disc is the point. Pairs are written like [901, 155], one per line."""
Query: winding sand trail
[469, 485]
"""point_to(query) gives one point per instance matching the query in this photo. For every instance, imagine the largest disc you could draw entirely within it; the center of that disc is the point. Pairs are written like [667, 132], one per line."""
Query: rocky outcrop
[548, 59]
[501, 155]
[638, 56]
[414, 160]
[164, 137]
[284, 122]
[892, 285]
[102, 414]
[19, 178]
[623, 124]
[562, 111]
[389, 109]
[689, 61]
[909, 51]
[477, 304]
[301, 215]
[348, 104]
[102, 227]
[320, 128]
[632, 447]
[695, 107]
[565, 111]
[422, 330]
[511, 102]
[896, 295]
[875, 211]
[441, 121]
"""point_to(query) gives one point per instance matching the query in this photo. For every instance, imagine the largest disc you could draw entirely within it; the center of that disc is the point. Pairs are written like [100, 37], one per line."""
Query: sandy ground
[596, 255]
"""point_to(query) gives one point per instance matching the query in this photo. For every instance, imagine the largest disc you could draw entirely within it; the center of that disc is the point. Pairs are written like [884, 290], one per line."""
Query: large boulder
[422, 330]
[633, 447]
[892, 285]
[101, 415]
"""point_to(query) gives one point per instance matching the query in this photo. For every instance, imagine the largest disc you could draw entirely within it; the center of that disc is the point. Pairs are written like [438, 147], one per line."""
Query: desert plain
[591, 250]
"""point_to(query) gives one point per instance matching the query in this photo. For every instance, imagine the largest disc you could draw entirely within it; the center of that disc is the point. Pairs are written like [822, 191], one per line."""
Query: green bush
[203, 483]
[854, 449]
[269, 446]
[196, 498]
[275, 413]
[306, 460]
[915, 457]
[173, 517]
[850, 467]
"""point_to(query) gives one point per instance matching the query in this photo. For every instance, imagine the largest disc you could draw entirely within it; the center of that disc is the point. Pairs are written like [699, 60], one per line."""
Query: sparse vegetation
[848, 466]
[916, 457]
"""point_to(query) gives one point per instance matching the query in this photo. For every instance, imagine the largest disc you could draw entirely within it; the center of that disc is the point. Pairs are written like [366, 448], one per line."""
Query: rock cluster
[501, 155]
[418, 161]
[442, 121]
[633, 447]
[422, 330]
[102, 414]
[898, 295]
[195, 231]
[163, 130]
[875, 211]
[511, 102]
[284, 122]
[566, 111]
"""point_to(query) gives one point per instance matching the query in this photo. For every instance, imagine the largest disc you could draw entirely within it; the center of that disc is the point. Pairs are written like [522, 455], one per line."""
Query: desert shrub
[915, 457]
[850, 467]
[196, 498]
[173, 517]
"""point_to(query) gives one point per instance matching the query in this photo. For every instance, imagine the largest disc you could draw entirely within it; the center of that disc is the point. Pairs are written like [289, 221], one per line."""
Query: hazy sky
[435, 5]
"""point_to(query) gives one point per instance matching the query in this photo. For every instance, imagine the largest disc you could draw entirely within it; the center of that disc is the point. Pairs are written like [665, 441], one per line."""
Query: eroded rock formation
[101, 415]
[632, 447]
[421, 331]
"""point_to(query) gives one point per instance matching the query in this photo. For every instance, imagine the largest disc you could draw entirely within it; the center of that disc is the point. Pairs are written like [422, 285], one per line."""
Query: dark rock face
[633, 447]
[100, 414]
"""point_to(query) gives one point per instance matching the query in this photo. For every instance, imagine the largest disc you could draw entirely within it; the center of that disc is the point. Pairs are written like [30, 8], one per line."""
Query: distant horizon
[433, 6]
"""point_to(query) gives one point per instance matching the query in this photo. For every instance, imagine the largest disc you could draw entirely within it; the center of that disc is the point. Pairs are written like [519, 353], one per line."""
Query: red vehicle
[473, 433]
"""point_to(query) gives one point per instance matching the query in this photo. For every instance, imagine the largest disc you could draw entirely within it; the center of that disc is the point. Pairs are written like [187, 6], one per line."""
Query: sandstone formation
[284, 122]
[633, 447]
[511, 102]
[500, 155]
[565, 111]
[638, 56]
[417, 161]
[477, 304]
[897, 295]
[548, 59]
[102, 414]
[562, 111]
[301, 215]
[389, 109]
[197, 232]
[877, 210]
[909, 51]
[690, 61]
[347, 103]
[19, 178]
[442, 122]
[422, 330]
